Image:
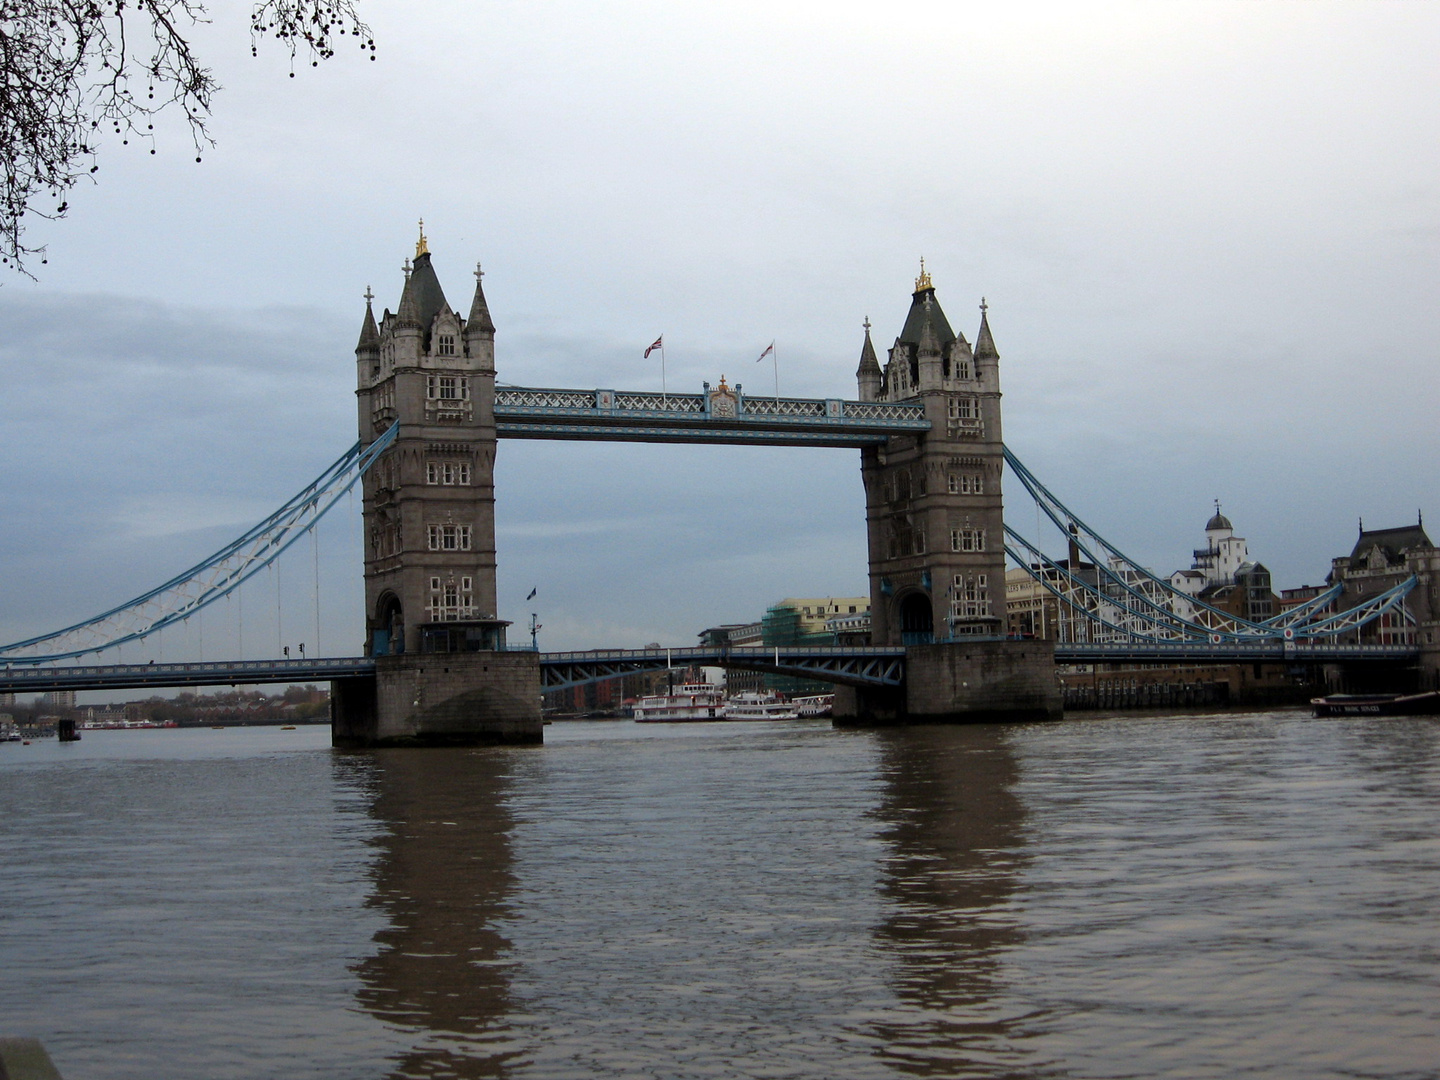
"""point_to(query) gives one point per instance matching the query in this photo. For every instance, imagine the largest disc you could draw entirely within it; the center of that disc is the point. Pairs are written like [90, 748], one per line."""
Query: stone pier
[440, 699]
[961, 682]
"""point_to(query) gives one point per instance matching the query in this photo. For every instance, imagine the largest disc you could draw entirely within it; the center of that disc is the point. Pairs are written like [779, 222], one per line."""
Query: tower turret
[985, 352]
[406, 329]
[367, 349]
[480, 328]
[867, 375]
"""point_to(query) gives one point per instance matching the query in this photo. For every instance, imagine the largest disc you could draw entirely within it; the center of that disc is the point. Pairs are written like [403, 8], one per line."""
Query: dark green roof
[924, 308]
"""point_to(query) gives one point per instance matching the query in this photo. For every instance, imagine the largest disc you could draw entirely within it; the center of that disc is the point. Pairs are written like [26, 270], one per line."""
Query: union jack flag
[659, 344]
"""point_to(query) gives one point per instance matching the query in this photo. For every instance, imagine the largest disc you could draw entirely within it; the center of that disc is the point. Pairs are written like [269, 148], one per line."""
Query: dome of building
[1219, 521]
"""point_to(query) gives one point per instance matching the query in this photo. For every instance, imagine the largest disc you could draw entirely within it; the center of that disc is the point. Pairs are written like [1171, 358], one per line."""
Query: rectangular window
[448, 473]
[972, 596]
[447, 387]
[967, 539]
[447, 344]
[448, 537]
[451, 600]
[964, 416]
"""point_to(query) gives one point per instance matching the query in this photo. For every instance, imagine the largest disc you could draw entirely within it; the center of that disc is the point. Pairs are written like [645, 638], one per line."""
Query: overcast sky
[1208, 235]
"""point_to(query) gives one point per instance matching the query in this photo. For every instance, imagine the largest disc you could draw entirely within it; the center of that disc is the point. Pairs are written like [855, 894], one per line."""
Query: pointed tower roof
[369, 333]
[408, 313]
[984, 343]
[869, 363]
[925, 311]
[479, 309]
[429, 296]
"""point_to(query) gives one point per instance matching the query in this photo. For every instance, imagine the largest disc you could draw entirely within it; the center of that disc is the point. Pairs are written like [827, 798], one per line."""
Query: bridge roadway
[859, 665]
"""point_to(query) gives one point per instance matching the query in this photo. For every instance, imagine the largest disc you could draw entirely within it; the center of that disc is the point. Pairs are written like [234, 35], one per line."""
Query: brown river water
[1232, 895]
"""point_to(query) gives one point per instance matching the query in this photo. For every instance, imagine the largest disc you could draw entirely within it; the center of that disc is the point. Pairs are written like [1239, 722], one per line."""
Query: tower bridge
[437, 668]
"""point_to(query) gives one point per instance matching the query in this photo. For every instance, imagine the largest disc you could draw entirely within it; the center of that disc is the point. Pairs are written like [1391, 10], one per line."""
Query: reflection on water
[443, 880]
[1189, 898]
[953, 823]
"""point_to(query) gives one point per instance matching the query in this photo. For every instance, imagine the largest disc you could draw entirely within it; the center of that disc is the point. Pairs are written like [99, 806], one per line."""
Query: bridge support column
[960, 682]
[442, 699]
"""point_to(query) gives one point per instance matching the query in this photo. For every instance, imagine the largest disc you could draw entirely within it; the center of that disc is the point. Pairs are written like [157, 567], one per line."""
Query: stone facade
[932, 502]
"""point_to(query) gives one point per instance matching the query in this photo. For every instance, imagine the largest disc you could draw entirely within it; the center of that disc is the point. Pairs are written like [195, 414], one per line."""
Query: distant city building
[803, 620]
[796, 620]
[7, 698]
[849, 629]
[60, 699]
[733, 634]
[1223, 577]
[1380, 560]
[1291, 598]
[1032, 608]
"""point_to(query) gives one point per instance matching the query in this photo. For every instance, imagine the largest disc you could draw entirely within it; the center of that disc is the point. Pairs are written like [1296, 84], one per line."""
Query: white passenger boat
[755, 706]
[692, 701]
[813, 705]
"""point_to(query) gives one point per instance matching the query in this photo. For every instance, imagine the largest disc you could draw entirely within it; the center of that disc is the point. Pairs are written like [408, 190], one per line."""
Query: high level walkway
[719, 416]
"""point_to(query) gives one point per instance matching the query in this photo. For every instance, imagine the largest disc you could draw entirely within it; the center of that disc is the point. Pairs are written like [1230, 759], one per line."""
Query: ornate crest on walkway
[724, 402]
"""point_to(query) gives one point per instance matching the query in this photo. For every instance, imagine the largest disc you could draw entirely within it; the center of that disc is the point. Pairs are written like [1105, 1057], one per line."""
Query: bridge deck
[209, 673]
[853, 665]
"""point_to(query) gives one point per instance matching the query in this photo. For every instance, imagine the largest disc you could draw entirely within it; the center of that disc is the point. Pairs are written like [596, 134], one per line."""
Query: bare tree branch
[74, 71]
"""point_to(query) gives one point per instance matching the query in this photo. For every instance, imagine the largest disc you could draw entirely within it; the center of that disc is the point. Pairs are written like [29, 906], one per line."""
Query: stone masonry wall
[457, 699]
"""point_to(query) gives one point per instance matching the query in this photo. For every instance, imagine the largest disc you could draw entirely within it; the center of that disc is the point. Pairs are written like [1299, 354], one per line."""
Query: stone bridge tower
[443, 674]
[430, 499]
[932, 501]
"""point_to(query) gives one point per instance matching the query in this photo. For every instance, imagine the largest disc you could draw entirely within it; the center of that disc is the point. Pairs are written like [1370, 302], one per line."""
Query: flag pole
[775, 363]
[664, 394]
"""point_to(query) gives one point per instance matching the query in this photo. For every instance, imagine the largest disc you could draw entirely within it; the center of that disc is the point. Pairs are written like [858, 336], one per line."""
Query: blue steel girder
[850, 666]
[626, 416]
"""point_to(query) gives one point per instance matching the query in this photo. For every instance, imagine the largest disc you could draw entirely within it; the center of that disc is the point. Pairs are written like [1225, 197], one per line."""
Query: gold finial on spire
[923, 281]
[421, 247]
